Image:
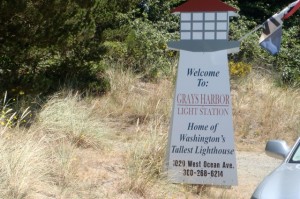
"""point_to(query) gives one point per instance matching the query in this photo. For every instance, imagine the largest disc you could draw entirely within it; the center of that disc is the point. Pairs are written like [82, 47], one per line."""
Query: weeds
[10, 118]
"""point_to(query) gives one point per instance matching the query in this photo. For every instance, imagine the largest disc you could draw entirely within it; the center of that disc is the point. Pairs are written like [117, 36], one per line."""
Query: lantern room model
[204, 26]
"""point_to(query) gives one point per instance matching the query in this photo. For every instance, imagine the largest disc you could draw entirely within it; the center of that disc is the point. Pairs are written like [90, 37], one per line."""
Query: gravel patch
[252, 168]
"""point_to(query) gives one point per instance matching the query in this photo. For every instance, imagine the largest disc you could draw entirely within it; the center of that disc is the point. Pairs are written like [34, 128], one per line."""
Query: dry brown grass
[133, 100]
[263, 111]
[144, 160]
[23, 165]
[114, 146]
[68, 116]
[42, 161]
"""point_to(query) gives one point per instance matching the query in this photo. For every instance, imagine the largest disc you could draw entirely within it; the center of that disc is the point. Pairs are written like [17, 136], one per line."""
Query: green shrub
[287, 61]
[147, 47]
[140, 40]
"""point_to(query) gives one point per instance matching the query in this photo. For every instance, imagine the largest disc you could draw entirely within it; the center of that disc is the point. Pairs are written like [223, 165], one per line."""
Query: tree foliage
[46, 44]
[140, 41]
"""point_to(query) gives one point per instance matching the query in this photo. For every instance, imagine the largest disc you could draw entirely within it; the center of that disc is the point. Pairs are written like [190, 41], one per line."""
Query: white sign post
[201, 149]
[201, 139]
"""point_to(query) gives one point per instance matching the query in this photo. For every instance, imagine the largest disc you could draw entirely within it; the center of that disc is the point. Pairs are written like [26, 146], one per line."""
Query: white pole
[255, 29]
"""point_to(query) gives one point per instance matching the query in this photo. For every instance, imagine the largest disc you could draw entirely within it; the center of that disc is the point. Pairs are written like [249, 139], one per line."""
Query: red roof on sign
[203, 6]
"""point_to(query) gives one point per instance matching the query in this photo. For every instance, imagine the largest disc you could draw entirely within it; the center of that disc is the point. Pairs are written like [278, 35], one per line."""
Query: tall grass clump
[133, 100]
[64, 168]
[144, 160]
[24, 162]
[70, 117]
[23, 158]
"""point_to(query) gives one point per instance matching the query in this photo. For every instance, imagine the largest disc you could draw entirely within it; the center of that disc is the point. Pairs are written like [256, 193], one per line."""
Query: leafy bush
[287, 61]
[140, 41]
[147, 48]
[249, 49]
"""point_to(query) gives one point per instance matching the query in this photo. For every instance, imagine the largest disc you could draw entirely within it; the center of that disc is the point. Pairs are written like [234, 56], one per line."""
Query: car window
[296, 155]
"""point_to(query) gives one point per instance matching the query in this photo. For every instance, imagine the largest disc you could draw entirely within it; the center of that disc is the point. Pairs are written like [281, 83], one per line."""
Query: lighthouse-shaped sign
[201, 141]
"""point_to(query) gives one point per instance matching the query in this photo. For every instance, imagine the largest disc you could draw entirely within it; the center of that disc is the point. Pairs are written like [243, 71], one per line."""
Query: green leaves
[43, 43]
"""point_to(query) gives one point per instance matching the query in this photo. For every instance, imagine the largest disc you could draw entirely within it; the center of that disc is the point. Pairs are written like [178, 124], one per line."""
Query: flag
[270, 39]
[271, 36]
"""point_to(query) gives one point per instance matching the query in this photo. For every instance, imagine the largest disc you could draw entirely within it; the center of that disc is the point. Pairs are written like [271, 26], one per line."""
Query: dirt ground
[252, 168]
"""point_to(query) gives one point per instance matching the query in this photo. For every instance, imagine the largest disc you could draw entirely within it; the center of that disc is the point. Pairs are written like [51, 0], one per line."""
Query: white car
[284, 181]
